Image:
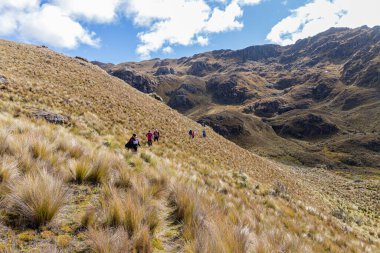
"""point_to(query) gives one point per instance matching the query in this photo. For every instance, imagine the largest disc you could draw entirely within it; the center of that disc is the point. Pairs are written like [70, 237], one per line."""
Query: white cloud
[162, 23]
[225, 20]
[203, 41]
[52, 26]
[319, 15]
[182, 22]
[43, 23]
[167, 50]
[100, 11]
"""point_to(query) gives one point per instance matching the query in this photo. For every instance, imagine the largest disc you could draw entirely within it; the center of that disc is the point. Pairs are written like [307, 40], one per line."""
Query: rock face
[201, 68]
[228, 91]
[140, 82]
[181, 102]
[306, 126]
[164, 71]
[224, 124]
[256, 53]
[264, 108]
[321, 91]
[53, 118]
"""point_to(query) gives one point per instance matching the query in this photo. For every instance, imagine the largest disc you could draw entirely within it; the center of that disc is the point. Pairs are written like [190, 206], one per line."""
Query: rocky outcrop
[181, 102]
[53, 118]
[256, 53]
[228, 91]
[267, 108]
[156, 96]
[306, 126]
[201, 68]
[164, 71]
[140, 82]
[81, 58]
[321, 91]
[285, 83]
[225, 124]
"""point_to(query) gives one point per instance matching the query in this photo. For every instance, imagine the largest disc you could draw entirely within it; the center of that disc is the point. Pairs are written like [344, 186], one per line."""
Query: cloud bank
[163, 23]
[319, 15]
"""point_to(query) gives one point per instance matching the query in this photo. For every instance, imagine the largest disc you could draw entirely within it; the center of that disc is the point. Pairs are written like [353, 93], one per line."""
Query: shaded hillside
[75, 188]
[316, 95]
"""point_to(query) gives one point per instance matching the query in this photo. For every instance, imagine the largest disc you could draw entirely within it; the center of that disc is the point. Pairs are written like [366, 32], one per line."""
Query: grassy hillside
[315, 102]
[75, 188]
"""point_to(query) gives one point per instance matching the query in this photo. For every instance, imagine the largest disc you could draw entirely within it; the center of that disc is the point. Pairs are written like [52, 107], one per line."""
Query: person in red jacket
[149, 137]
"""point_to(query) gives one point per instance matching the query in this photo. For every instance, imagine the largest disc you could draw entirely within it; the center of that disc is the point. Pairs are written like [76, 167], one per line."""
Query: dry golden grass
[36, 199]
[201, 195]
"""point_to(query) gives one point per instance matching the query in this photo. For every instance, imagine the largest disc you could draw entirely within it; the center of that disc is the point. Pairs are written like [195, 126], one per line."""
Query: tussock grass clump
[109, 240]
[8, 170]
[80, 170]
[148, 159]
[40, 149]
[124, 178]
[36, 199]
[4, 142]
[8, 175]
[104, 162]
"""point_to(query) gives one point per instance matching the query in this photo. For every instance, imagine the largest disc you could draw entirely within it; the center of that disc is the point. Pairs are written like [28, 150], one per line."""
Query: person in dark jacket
[156, 135]
[133, 143]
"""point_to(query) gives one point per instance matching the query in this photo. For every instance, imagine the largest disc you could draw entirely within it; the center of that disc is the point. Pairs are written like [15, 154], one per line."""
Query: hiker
[204, 133]
[156, 135]
[149, 137]
[191, 134]
[133, 143]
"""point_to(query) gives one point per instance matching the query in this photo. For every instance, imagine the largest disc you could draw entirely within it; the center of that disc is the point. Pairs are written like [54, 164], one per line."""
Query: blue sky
[131, 30]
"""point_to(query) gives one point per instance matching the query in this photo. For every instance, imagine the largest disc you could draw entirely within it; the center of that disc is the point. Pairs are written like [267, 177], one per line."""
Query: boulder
[53, 118]
[3, 80]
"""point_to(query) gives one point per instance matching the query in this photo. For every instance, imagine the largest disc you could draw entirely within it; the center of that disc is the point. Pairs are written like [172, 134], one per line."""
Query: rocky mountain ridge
[315, 96]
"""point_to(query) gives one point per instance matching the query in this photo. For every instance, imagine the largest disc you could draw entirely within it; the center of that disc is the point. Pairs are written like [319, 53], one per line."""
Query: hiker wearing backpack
[133, 143]
[156, 135]
[191, 134]
[149, 137]
[204, 133]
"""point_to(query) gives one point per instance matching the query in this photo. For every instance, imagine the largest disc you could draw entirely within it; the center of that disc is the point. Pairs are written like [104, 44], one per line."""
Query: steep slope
[316, 95]
[207, 195]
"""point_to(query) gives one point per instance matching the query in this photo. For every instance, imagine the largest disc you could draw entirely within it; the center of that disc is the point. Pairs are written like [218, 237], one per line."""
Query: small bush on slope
[36, 199]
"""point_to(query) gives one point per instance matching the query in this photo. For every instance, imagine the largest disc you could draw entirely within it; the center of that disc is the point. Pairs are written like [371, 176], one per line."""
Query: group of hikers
[134, 142]
[192, 133]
